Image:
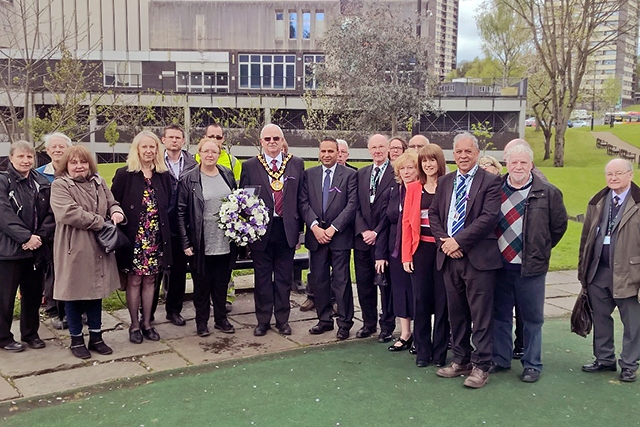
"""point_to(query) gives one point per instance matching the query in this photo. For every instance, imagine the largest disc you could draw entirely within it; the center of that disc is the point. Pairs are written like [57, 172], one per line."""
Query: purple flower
[335, 189]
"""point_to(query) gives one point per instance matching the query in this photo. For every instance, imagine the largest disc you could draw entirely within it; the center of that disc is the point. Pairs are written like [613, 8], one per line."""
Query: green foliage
[482, 131]
[485, 68]
[111, 134]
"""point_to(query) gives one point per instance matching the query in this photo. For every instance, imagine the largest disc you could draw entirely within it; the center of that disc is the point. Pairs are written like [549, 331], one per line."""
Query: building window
[202, 81]
[122, 74]
[311, 64]
[267, 71]
[279, 24]
[293, 25]
[306, 25]
[319, 31]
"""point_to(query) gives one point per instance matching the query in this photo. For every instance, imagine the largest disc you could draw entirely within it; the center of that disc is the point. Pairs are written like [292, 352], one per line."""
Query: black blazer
[253, 173]
[189, 164]
[190, 214]
[386, 240]
[341, 206]
[369, 214]
[478, 239]
[127, 189]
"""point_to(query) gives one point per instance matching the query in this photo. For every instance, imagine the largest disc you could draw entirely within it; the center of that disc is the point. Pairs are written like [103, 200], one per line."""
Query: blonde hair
[133, 159]
[205, 140]
[406, 157]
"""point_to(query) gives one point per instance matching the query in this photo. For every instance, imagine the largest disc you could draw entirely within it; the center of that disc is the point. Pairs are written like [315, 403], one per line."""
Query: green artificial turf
[357, 383]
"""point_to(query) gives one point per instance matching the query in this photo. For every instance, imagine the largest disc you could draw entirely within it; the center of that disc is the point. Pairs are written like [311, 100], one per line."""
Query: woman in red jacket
[419, 259]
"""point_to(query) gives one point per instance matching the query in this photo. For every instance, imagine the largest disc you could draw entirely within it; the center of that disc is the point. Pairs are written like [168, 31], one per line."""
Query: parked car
[580, 124]
[570, 123]
[531, 121]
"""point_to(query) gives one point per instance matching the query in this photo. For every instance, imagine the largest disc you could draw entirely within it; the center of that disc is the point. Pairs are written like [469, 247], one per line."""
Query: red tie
[277, 195]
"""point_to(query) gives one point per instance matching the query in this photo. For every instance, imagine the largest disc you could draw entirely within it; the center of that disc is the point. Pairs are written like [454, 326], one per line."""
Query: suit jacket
[253, 173]
[341, 206]
[369, 214]
[478, 239]
[189, 164]
[386, 240]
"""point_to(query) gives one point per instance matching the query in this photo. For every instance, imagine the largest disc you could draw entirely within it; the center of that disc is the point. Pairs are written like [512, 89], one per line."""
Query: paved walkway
[614, 140]
[54, 370]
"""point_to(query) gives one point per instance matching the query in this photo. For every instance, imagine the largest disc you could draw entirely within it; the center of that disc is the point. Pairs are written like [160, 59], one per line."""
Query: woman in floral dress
[143, 188]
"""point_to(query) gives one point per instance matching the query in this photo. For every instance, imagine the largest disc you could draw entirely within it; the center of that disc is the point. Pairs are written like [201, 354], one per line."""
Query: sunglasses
[218, 137]
[269, 138]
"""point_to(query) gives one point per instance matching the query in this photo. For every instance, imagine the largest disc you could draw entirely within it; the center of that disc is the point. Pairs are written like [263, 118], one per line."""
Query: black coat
[17, 221]
[190, 214]
[189, 165]
[127, 189]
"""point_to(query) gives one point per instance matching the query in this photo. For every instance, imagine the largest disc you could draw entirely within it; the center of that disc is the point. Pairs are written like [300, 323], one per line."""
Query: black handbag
[380, 280]
[582, 315]
[110, 237]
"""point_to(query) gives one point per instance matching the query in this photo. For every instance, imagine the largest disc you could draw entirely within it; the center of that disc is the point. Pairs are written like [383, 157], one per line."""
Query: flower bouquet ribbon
[243, 217]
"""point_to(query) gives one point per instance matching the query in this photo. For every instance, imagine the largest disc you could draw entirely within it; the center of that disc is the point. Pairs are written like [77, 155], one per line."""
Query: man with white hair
[417, 142]
[343, 154]
[608, 268]
[532, 221]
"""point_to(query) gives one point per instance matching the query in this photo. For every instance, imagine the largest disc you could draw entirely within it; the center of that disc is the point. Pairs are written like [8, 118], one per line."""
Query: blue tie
[461, 205]
[325, 189]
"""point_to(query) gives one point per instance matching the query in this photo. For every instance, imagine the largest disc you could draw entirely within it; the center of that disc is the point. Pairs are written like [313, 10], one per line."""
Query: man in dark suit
[328, 202]
[608, 269]
[373, 183]
[463, 218]
[279, 177]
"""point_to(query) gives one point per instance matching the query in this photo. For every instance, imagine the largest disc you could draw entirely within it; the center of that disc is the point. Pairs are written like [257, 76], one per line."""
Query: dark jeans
[526, 293]
[74, 310]
[211, 286]
[20, 273]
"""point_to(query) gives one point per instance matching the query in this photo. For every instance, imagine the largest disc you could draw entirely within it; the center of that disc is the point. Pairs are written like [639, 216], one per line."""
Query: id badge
[607, 240]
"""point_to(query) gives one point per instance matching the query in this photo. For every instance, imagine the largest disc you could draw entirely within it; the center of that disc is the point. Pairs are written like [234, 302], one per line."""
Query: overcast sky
[469, 45]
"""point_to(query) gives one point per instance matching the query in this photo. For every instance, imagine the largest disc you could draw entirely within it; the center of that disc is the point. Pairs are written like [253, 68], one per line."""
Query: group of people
[451, 254]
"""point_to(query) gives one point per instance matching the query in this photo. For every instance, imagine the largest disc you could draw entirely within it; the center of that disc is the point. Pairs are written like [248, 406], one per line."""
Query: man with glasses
[279, 177]
[215, 131]
[417, 142]
[343, 154]
[608, 268]
[179, 162]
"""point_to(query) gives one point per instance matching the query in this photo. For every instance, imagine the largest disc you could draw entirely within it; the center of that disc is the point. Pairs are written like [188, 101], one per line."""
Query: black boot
[96, 343]
[78, 348]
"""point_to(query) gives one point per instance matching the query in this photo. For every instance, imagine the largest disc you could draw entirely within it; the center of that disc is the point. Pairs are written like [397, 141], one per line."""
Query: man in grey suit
[328, 202]
[608, 268]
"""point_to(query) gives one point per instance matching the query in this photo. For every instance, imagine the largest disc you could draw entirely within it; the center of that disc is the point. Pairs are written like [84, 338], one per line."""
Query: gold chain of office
[276, 184]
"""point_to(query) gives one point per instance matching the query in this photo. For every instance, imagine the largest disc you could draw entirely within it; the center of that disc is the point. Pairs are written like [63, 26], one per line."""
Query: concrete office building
[212, 55]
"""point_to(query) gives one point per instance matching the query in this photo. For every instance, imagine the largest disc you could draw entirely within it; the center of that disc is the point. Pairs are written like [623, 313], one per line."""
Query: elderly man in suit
[328, 202]
[279, 177]
[374, 181]
[464, 216]
[608, 268]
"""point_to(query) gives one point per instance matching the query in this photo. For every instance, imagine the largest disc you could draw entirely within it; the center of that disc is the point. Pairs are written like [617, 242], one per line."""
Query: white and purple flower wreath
[243, 217]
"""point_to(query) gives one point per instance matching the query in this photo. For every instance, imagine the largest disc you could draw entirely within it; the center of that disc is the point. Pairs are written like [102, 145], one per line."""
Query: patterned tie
[461, 205]
[374, 184]
[277, 195]
[325, 190]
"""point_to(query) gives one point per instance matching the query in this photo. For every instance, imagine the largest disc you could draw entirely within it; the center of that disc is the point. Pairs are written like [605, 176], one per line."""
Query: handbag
[582, 315]
[380, 280]
[110, 237]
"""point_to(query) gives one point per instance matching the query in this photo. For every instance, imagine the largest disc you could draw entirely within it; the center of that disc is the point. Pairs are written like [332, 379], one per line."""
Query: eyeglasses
[218, 137]
[395, 148]
[269, 138]
[617, 174]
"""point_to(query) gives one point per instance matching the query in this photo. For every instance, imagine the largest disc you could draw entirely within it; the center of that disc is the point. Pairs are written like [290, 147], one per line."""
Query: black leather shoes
[421, 363]
[225, 326]
[413, 349]
[14, 347]
[176, 319]
[261, 330]
[284, 329]
[494, 369]
[405, 344]
[440, 363]
[627, 375]
[202, 330]
[518, 352]
[135, 336]
[599, 367]
[35, 343]
[365, 332]
[320, 328]
[385, 336]
[530, 375]
[151, 334]
[343, 334]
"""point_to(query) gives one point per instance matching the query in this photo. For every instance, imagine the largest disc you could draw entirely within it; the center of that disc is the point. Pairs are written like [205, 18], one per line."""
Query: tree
[376, 67]
[539, 101]
[564, 36]
[112, 136]
[505, 36]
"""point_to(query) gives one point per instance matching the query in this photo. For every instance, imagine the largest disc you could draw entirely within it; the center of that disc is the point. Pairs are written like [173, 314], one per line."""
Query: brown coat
[83, 270]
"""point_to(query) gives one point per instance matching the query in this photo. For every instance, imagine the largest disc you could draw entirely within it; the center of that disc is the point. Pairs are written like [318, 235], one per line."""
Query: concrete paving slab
[565, 276]
[7, 391]
[243, 304]
[571, 288]
[300, 333]
[219, 347]
[88, 375]
[554, 292]
[243, 282]
[43, 331]
[29, 362]
[552, 311]
[118, 340]
[566, 303]
[163, 362]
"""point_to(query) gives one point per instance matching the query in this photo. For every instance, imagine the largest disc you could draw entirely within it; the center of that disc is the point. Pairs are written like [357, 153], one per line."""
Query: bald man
[417, 142]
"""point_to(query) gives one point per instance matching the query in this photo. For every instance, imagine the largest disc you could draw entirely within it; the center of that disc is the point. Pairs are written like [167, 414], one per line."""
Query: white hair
[519, 149]
[48, 137]
[466, 135]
